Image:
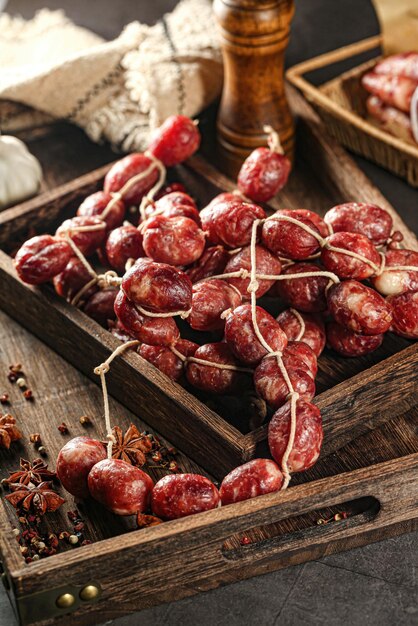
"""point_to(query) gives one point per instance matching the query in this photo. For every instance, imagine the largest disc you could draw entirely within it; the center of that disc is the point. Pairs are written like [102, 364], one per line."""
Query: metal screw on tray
[254, 37]
[65, 601]
[89, 592]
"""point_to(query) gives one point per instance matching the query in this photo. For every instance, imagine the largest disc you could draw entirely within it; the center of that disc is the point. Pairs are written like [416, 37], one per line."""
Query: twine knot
[277, 353]
[253, 285]
[103, 368]
[273, 139]
[244, 273]
[109, 279]
[185, 314]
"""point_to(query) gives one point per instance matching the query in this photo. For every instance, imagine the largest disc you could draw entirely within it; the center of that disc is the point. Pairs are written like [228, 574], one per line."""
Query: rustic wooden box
[144, 567]
[348, 389]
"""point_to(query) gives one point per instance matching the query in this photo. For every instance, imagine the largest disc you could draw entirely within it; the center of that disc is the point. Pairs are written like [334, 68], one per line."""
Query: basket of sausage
[372, 109]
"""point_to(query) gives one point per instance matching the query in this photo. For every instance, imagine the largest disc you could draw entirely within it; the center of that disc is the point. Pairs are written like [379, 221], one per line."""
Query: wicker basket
[341, 104]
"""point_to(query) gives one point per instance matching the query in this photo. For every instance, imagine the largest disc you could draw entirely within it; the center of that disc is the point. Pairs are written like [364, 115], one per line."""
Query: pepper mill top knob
[254, 37]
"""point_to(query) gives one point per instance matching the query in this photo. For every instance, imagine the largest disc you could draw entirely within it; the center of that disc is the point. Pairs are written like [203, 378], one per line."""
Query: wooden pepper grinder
[254, 37]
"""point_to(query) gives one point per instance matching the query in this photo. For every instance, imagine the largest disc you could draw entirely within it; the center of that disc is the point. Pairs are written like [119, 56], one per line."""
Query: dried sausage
[263, 173]
[121, 487]
[100, 306]
[173, 240]
[72, 279]
[158, 287]
[359, 308]
[350, 344]
[41, 258]
[301, 350]
[125, 169]
[308, 436]
[314, 333]
[358, 217]
[211, 263]
[266, 263]
[175, 140]
[314, 218]
[75, 461]
[346, 266]
[250, 480]
[391, 283]
[394, 90]
[242, 339]
[182, 210]
[210, 299]
[87, 241]
[179, 495]
[304, 294]
[211, 378]
[96, 203]
[287, 239]
[402, 64]
[230, 222]
[122, 244]
[156, 331]
[170, 188]
[391, 119]
[405, 314]
[176, 204]
[164, 358]
[271, 385]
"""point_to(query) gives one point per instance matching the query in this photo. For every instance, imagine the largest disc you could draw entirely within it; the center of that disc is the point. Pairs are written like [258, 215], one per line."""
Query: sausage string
[101, 370]
[110, 278]
[293, 395]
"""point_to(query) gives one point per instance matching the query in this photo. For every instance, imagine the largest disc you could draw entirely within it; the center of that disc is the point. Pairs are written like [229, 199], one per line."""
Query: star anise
[35, 473]
[38, 498]
[8, 431]
[131, 446]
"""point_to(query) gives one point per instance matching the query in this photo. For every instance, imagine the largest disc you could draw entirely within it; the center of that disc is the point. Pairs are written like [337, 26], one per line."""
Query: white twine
[301, 322]
[101, 370]
[149, 197]
[293, 395]
[273, 139]
[221, 366]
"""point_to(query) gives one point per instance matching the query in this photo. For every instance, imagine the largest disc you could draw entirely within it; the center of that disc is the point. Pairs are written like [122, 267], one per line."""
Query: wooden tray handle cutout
[319, 523]
[378, 497]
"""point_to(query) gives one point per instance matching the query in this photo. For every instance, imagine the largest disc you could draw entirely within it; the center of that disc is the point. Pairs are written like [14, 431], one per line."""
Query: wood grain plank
[116, 563]
[61, 393]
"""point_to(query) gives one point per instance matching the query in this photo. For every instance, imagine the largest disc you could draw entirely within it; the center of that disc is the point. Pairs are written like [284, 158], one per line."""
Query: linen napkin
[117, 91]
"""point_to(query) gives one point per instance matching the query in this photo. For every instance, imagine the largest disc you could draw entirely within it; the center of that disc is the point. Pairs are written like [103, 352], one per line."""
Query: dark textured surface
[377, 584]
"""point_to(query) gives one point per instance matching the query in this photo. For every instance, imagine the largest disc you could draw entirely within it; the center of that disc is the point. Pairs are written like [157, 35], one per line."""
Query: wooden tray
[341, 104]
[140, 568]
[349, 389]
[372, 478]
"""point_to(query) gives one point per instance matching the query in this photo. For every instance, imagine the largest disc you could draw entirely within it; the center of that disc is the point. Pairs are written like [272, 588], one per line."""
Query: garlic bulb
[20, 172]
